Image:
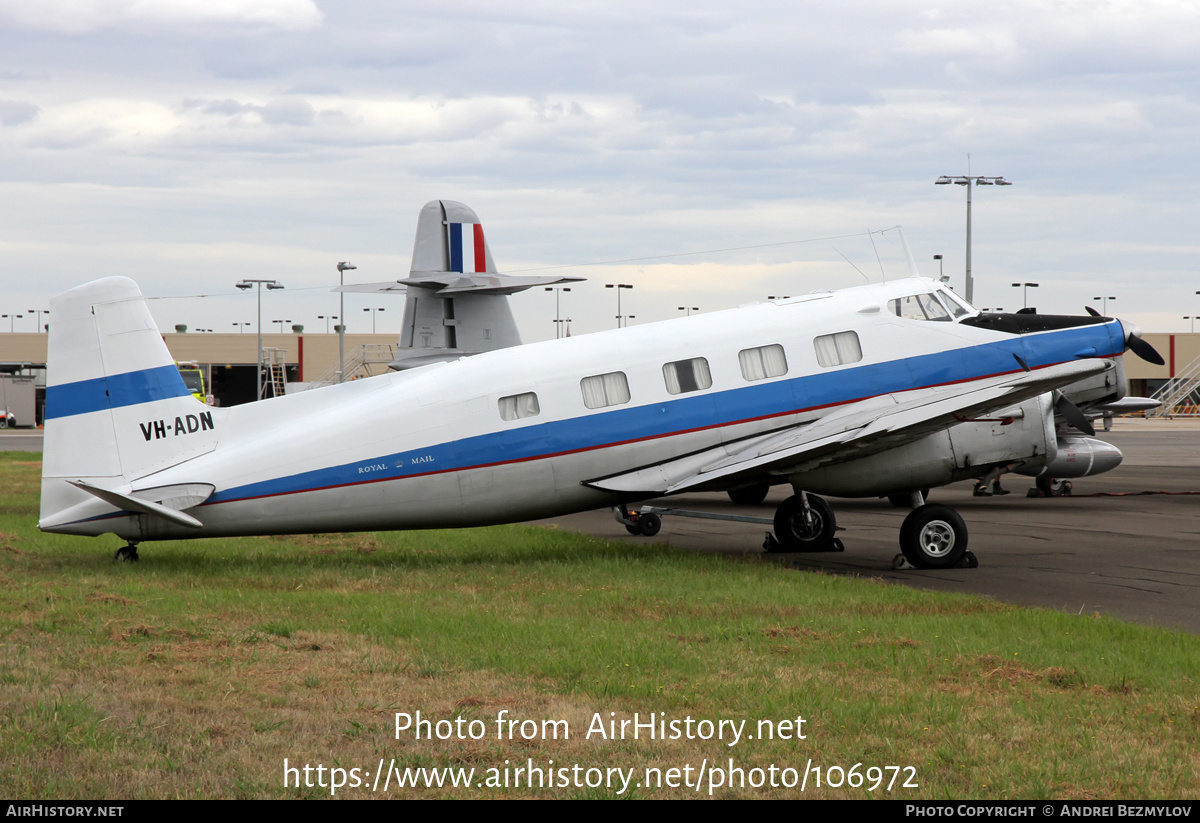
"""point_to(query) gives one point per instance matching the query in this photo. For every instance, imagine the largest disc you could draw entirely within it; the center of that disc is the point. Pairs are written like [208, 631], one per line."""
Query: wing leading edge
[855, 430]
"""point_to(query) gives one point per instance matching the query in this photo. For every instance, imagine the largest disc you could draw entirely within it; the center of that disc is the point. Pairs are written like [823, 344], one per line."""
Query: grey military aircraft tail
[456, 301]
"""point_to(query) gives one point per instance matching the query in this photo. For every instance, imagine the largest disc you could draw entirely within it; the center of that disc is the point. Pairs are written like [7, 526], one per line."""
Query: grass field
[197, 671]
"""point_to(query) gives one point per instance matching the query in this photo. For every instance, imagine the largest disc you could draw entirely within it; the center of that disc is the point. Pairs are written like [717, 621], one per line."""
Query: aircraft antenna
[912, 263]
[882, 273]
[851, 262]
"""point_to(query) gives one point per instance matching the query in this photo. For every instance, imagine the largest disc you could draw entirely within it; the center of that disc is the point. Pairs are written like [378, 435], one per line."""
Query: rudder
[117, 408]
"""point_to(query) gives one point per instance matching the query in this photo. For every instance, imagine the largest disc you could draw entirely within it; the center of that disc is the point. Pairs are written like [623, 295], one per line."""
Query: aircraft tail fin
[457, 303]
[117, 408]
[450, 239]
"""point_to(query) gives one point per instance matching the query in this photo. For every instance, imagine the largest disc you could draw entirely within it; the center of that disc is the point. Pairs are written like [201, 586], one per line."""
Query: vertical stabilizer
[457, 303]
[117, 408]
[450, 239]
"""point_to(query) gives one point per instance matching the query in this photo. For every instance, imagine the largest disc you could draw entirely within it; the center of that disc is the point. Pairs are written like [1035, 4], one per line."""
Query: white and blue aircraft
[885, 389]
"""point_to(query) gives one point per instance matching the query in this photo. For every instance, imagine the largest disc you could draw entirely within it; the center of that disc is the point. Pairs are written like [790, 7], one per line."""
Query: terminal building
[298, 361]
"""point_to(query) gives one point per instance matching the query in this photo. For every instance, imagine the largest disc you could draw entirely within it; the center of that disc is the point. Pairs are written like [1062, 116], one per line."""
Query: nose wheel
[804, 523]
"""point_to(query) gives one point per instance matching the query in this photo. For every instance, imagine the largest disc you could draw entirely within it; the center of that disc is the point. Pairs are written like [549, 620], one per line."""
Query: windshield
[958, 307]
[918, 307]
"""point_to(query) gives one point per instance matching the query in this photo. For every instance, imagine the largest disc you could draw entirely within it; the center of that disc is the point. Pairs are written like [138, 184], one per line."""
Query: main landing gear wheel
[749, 496]
[126, 553]
[795, 533]
[933, 537]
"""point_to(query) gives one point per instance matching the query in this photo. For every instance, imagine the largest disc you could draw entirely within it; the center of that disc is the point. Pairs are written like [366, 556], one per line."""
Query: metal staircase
[1180, 396]
[367, 360]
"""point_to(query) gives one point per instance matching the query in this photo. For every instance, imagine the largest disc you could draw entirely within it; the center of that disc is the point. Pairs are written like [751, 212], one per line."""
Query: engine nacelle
[1078, 457]
[1022, 434]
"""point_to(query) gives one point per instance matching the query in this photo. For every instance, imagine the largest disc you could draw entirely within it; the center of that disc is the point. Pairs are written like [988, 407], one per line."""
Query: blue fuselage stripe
[114, 391]
[750, 402]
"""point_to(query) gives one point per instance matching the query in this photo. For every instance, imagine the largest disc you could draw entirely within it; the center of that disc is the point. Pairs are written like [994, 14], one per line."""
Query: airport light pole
[39, 313]
[618, 287]
[374, 314]
[1192, 317]
[327, 318]
[1025, 293]
[689, 309]
[558, 290]
[281, 322]
[1104, 304]
[941, 274]
[272, 285]
[12, 321]
[970, 181]
[342, 269]
[241, 327]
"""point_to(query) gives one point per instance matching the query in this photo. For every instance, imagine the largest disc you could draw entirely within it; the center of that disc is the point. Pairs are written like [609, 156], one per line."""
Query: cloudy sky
[733, 150]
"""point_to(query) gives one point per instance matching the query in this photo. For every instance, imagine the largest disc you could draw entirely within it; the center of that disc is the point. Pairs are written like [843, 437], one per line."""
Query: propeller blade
[1144, 350]
[1073, 415]
[1134, 341]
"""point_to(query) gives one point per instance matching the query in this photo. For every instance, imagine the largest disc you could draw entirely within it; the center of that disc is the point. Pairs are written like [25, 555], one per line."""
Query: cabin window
[602, 390]
[685, 376]
[517, 406]
[763, 362]
[918, 307]
[838, 349]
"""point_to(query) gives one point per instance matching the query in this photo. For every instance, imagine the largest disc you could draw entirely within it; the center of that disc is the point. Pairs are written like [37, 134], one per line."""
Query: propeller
[1072, 414]
[1134, 341]
[1143, 349]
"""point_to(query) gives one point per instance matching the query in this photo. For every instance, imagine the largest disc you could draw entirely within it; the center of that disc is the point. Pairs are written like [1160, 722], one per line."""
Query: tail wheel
[933, 537]
[796, 533]
[126, 554]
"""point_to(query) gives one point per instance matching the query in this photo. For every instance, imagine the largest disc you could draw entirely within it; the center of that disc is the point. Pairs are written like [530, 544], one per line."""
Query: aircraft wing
[855, 430]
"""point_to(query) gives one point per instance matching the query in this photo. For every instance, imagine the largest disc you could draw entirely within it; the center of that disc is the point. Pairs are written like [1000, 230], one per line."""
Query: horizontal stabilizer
[451, 283]
[126, 502]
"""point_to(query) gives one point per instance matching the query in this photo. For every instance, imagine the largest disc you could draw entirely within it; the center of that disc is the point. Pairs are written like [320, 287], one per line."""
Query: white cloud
[81, 16]
[585, 132]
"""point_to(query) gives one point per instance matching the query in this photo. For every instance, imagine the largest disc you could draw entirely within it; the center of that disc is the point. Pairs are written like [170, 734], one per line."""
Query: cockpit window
[919, 307]
[958, 306]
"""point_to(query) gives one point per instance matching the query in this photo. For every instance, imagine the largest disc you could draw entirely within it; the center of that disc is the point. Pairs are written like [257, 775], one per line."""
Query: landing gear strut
[127, 552]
